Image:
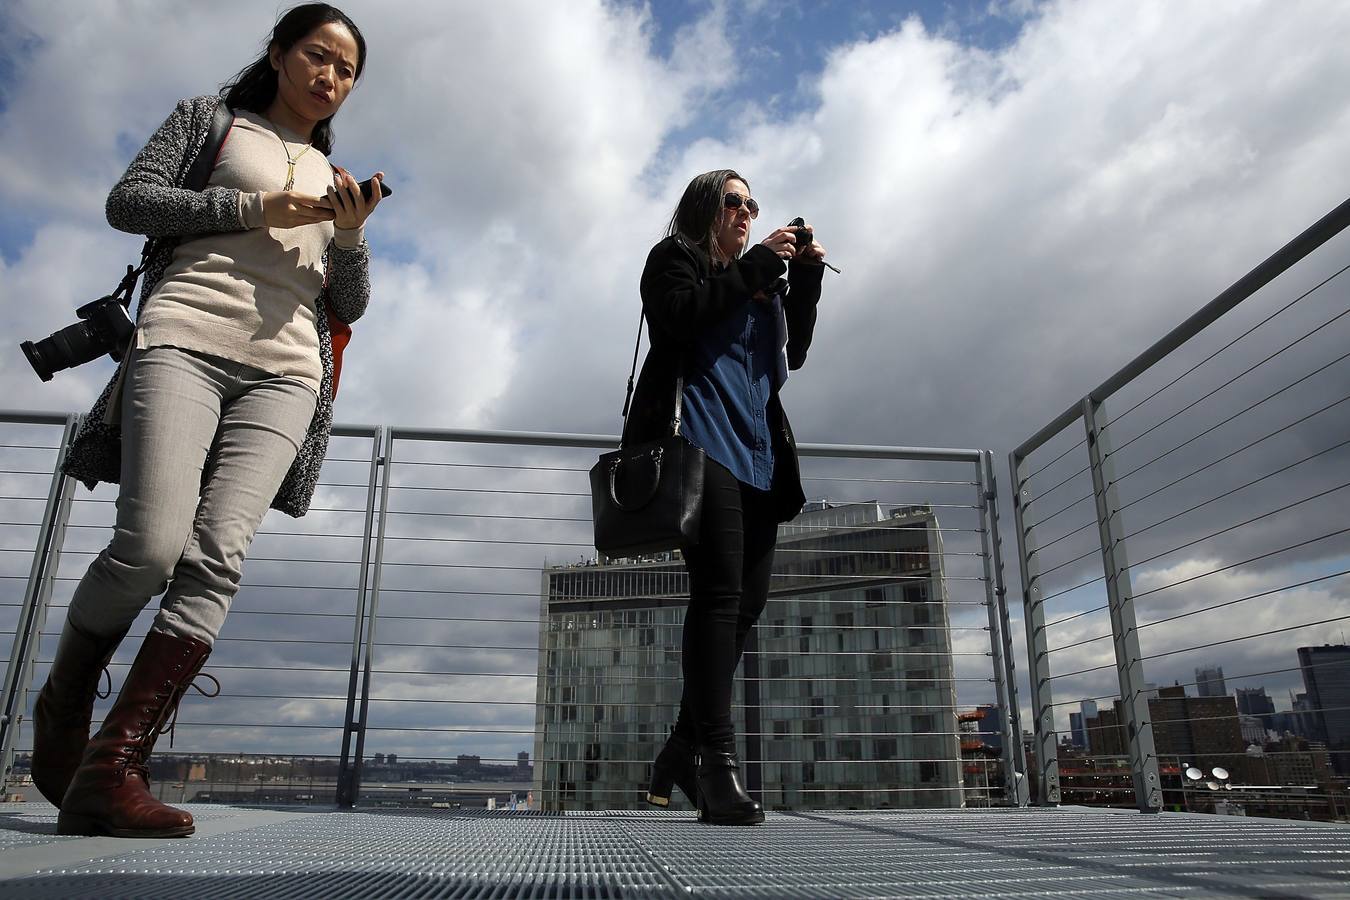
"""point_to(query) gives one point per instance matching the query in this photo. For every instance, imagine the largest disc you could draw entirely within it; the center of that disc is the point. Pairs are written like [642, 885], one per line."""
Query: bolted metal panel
[1000, 644]
[1038, 650]
[1124, 633]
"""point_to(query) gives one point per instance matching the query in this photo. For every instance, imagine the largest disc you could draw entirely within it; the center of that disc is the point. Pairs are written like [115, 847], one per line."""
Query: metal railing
[1188, 514]
[410, 638]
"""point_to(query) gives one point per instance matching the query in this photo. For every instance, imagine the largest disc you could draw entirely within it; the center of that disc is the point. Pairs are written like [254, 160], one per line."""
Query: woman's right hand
[782, 242]
[291, 209]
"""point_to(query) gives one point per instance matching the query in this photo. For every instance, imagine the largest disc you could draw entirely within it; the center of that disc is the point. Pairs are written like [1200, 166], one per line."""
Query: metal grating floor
[330, 854]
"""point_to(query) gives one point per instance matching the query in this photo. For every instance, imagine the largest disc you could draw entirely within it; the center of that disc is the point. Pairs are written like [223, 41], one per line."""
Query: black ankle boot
[722, 799]
[674, 767]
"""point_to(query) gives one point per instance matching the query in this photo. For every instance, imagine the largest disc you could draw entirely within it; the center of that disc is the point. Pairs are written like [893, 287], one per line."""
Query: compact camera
[104, 327]
[801, 233]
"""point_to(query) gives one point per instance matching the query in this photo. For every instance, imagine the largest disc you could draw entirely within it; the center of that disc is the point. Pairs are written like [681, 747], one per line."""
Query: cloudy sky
[1021, 196]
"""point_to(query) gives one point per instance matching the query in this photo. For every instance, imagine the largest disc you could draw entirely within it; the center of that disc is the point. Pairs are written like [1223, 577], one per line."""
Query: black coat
[682, 297]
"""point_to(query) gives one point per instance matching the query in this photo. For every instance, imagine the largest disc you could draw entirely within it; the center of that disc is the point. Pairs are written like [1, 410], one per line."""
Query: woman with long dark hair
[221, 407]
[725, 327]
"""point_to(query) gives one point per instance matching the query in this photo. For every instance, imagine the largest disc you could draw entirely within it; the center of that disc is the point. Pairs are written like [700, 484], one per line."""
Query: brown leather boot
[65, 706]
[110, 791]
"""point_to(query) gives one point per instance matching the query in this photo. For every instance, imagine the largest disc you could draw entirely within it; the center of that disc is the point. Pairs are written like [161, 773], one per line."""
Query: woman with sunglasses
[221, 407]
[725, 327]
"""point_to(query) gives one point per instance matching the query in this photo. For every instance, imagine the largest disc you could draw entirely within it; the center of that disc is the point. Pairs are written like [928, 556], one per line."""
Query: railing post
[1124, 634]
[1038, 652]
[33, 612]
[348, 786]
[754, 721]
[354, 779]
[1000, 641]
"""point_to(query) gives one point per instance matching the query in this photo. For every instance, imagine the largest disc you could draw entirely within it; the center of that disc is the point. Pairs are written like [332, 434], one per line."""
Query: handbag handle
[657, 455]
[632, 372]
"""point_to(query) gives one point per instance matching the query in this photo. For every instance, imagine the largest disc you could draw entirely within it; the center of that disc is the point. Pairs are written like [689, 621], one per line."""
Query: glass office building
[845, 698]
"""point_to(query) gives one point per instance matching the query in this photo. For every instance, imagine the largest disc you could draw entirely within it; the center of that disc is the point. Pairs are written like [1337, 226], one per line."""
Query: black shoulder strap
[628, 397]
[198, 175]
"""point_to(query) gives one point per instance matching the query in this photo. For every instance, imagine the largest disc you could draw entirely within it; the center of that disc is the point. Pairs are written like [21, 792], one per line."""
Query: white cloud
[1012, 224]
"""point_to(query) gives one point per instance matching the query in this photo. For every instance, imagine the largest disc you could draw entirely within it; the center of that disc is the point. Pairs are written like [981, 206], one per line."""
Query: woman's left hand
[350, 208]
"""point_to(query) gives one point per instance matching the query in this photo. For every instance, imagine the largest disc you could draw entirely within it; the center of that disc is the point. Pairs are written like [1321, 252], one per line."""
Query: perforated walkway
[1065, 852]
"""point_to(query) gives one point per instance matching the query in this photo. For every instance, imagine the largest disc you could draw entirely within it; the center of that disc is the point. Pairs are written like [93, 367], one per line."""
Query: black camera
[801, 234]
[104, 327]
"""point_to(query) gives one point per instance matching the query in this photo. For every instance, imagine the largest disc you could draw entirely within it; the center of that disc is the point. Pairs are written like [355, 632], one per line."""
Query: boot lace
[176, 695]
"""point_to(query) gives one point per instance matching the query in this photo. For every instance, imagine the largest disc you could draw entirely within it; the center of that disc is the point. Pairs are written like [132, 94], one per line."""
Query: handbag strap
[632, 372]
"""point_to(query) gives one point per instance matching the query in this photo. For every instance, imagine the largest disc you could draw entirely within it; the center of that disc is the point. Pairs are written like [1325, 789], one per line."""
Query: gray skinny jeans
[174, 530]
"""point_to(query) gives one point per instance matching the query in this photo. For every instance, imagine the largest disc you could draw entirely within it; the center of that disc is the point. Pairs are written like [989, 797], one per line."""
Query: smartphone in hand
[368, 188]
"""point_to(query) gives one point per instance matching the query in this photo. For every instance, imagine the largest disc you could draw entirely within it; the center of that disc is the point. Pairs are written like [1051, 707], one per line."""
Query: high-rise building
[846, 695]
[1078, 723]
[1209, 682]
[1077, 732]
[1255, 702]
[1326, 678]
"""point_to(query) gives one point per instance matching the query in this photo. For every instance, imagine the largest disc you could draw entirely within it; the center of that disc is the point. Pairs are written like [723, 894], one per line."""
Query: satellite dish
[1220, 773]
[1212, 785]
[1194, 774]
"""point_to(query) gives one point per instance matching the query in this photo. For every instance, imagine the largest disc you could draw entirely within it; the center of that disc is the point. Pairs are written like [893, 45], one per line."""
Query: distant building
[1326, 678]
[1209, 682]
[1077, 731]
[848, 701]
[1300, 708]
[1203, 731]
[1253, 729]
[1255, 702]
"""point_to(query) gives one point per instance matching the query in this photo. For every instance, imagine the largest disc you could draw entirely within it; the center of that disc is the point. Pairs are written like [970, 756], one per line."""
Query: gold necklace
[290, 160]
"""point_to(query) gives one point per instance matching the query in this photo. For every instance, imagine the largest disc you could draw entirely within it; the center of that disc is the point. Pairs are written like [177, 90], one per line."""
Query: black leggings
[728, 586]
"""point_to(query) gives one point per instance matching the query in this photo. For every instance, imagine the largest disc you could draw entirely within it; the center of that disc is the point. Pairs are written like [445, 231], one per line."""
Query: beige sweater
[248, 296]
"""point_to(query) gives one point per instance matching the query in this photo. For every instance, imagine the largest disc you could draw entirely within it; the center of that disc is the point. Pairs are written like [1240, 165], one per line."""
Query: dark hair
[697, 210]
[255, 87]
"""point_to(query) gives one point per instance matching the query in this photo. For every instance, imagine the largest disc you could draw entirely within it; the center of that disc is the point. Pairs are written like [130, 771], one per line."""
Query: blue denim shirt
[731, 373]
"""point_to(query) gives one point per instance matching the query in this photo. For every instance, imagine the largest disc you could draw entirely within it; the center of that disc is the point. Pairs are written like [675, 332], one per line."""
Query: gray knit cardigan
[150, 200]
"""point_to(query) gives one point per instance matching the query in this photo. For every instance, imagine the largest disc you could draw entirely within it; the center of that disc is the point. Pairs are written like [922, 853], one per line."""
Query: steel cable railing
[1234, 550]
[445, 672]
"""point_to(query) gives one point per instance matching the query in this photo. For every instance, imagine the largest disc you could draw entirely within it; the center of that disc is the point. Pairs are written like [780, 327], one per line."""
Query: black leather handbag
[648, 498]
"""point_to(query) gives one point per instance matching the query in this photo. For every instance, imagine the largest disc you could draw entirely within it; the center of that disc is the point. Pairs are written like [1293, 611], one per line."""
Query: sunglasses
[734, 201]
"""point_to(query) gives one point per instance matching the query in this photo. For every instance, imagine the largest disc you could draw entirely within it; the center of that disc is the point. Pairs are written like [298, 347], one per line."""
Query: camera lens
[36, 360]
[71, 346]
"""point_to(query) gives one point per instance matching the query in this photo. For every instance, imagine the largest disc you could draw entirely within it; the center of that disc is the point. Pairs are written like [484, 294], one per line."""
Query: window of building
[886, 748]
